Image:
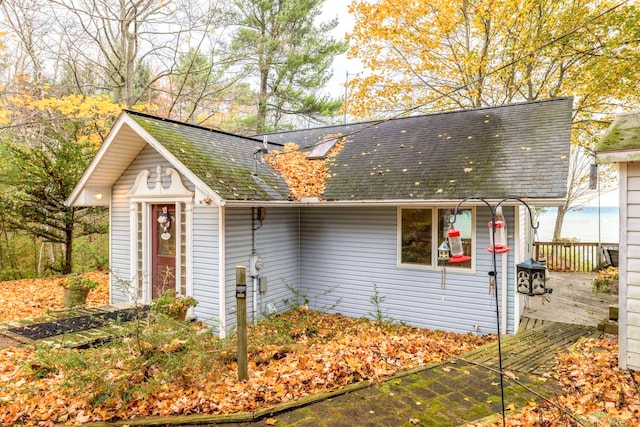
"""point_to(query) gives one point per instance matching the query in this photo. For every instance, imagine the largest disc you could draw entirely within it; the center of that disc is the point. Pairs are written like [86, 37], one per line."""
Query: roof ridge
[435, 113]
[201, 127]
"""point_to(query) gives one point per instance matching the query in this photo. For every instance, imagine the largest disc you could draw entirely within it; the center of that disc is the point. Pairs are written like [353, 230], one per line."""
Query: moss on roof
[623, 134]
[494, 152]
[224, 162]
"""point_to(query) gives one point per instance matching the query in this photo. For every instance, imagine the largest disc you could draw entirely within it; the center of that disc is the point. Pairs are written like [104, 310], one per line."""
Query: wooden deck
[532, 350]
[572, 301]
[550, 325]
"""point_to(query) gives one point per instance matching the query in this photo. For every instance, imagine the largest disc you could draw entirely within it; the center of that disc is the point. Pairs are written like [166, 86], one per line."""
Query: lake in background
[582, 224]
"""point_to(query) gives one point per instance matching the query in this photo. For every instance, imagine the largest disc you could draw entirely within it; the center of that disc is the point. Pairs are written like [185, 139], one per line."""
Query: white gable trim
[77, 196]
[186, 172]
[141, 197]
[73, 197]
[618, 156]
[176, 190]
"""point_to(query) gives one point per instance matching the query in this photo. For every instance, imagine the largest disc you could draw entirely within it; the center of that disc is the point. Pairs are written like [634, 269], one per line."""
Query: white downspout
[254, 292]
[505, 290]
[504, 280]
[252, 259]
[222, 265]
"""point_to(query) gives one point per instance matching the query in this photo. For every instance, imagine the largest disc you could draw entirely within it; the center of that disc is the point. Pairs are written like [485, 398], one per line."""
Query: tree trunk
[557, 230]
[262, 101]
[68, 245]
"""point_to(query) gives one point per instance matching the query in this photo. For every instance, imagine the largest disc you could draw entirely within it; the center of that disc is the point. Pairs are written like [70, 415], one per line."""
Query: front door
[163, 253]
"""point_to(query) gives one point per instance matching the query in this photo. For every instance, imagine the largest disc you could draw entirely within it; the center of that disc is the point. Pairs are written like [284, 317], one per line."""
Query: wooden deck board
[572, 301]
[532, 350]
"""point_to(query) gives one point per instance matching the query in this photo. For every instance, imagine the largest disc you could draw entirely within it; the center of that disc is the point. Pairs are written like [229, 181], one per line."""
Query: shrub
[78, 282]
[171, 303]
[605, 278]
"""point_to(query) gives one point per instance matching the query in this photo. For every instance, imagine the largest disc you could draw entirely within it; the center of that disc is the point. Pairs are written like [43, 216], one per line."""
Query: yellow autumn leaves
[306, 178]
[93, 114]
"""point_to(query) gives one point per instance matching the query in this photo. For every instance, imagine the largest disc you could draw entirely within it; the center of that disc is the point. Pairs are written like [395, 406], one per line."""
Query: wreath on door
[164, 219]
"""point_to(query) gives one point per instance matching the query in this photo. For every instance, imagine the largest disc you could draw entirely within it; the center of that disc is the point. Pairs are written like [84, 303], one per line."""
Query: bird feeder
[443, 252]
[532, 278]
[500, 234]
[455, 245]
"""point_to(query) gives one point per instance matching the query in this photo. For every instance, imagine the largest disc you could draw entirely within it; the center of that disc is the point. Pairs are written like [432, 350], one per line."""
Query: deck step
[532, 349]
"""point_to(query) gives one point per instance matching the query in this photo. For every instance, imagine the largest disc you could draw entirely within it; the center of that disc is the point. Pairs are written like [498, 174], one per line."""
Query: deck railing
[576, 256]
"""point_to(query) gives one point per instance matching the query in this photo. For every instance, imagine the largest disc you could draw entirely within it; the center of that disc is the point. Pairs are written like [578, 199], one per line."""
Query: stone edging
[243, 417]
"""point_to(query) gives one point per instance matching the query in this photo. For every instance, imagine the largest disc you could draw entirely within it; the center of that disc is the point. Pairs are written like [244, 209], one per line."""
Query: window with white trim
[422, 230]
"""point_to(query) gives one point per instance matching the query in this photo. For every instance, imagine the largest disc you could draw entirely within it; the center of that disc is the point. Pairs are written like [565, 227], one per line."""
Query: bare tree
[122, 47]
[29, 30]
[578, 185]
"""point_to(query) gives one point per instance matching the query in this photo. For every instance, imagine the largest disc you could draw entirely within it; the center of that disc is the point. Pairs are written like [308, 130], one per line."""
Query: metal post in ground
[241, 316]
[493, 274]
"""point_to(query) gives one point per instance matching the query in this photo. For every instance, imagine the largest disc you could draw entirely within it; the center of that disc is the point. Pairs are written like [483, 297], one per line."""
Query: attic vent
[321, 149]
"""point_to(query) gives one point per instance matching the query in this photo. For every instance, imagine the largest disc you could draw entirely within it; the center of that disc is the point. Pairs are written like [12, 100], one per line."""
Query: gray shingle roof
[518, 150]
[223, 161]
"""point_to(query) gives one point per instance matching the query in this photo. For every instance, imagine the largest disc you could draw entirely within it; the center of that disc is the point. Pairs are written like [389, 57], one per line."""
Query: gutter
[404, 202]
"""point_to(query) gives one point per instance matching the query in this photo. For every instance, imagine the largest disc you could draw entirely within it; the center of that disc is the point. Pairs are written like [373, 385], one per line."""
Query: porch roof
[621, 142]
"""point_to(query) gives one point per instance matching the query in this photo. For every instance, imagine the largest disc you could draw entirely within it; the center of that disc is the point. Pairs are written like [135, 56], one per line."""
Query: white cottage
[621, 145]
[188, 204]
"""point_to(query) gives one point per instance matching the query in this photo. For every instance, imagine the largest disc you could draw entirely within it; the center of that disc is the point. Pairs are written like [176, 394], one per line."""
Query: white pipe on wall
[254, 292]
[505, 289]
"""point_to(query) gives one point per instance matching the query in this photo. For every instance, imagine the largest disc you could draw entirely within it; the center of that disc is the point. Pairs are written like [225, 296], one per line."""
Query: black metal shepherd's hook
[494, 274]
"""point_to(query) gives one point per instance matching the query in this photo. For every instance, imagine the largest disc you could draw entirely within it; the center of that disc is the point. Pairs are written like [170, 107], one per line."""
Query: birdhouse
[455, 245]
[532, 278]
[443, 252]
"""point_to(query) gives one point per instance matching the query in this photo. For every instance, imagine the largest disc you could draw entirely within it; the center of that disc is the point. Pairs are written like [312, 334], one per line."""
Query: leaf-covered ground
[33, 297]
[169, 368]
[596, 392]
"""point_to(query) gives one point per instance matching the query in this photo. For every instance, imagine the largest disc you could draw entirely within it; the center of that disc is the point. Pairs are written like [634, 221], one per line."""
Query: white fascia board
[78, 191]
[396, 202]
[617, 156]
[73, 197]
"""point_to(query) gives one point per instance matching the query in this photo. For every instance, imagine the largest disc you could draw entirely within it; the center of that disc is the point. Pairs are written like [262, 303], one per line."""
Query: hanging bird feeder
[455, 245]
[500, 235]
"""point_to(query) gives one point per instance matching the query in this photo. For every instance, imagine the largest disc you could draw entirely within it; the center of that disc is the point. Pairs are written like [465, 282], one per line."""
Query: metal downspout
[254, 279]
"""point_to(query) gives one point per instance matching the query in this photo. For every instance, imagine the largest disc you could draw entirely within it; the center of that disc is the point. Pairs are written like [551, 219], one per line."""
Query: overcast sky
[333, 9]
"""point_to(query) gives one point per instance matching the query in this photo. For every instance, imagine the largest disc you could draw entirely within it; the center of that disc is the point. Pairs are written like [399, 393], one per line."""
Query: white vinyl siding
[276, 244]
[629, 296]
[206, 225]
[350, 250]
[204, 282]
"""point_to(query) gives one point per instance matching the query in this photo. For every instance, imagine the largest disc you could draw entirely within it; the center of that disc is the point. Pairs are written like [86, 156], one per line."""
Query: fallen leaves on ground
[33, 297]
[595, 391]
[291, 355]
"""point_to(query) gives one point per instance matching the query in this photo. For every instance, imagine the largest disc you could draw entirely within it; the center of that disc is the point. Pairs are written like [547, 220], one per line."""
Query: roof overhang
[618, 156]
[533, 202]
[123, 144]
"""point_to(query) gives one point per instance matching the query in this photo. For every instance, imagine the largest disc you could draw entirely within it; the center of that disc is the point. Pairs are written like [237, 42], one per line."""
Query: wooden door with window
[163, 253]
